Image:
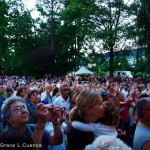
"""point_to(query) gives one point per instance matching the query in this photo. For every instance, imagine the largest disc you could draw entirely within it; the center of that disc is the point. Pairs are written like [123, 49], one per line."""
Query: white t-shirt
[98, 129]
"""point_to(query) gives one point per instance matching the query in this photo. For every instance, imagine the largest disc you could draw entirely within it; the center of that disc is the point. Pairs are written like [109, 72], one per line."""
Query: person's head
[48, 88]
[9, 91]
[55, 91]
[143, 109]
[98, 85]
[33, 96]
[4, 88]
[137, 94]
[1, 89]
[106, 142]
[111, 115]
[40, 90]
[141, 87]
[120, 95]
[64, 90]
[21, 92]
[111, 87]
[72, 95]
[89, 106]
[21, 84]
[93, 86]
[126, 87]
[104, 95]
[113, 99]
[110, 98]
[14, 111]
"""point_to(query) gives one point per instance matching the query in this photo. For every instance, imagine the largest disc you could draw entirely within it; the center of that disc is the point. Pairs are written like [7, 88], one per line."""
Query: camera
[50, 108]
[63, 109]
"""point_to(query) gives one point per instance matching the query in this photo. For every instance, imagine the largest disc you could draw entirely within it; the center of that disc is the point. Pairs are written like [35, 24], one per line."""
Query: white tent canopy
[83, 70]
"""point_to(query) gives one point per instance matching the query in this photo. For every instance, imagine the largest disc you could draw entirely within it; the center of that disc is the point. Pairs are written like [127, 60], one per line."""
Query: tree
[143, 26]
[3, 30]
[73, 33]
[21, 40]
[111, 25]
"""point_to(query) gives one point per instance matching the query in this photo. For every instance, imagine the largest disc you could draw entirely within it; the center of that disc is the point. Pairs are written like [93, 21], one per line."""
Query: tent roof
[83, 70]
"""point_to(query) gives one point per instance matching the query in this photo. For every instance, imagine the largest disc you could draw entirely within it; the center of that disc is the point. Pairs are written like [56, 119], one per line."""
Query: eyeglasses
[19, 108]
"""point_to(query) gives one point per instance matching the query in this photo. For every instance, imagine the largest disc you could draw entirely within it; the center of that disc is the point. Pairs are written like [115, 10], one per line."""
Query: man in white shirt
[63, 100]
[125, 91]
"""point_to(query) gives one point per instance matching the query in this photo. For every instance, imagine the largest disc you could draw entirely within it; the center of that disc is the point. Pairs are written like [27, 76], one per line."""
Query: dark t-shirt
[78, 139]
[29, 132]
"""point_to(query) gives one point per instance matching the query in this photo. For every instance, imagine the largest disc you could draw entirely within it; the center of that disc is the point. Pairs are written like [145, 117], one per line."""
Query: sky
[30, 4]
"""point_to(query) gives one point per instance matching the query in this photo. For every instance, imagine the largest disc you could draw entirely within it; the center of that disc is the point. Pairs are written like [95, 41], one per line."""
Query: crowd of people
[75, 113]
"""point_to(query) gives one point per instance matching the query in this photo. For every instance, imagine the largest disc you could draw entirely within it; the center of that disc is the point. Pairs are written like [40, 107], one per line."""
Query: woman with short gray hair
[16, 115]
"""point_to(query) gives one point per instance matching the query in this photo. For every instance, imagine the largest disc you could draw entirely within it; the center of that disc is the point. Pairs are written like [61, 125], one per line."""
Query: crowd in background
[86, 107]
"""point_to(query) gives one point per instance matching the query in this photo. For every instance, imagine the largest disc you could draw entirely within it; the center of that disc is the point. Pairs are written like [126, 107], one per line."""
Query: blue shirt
[141, 136]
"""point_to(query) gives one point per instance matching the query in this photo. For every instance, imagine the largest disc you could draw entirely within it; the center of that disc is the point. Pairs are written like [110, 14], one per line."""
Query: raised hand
[55, 113]
[42, 113]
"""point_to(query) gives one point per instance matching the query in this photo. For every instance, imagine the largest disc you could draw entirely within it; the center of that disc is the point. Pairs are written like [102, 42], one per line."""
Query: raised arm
[128, 100]
[42, 116]
[148, 88]
[57, 137]
[82, 126]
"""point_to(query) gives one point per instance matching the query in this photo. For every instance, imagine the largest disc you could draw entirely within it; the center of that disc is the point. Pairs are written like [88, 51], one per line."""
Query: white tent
[83, 70]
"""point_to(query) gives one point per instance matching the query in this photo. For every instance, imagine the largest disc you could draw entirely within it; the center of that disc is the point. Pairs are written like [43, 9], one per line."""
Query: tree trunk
[111, 62]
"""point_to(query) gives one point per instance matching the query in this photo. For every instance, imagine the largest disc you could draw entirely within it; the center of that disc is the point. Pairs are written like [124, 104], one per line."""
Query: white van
[123, 74]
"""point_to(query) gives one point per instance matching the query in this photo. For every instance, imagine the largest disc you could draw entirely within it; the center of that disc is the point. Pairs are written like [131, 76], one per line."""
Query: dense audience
[72, 112]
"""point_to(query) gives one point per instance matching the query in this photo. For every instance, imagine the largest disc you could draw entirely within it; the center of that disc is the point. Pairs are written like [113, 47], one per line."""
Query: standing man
[63, 100]
[125, 91]
[142, 132]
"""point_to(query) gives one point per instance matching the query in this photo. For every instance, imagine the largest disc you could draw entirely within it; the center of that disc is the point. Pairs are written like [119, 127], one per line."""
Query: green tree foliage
[111, 24]
[73, 32]
[3, 30]
[48, 39]
[20, 40]
[67, 34]
[143, 26]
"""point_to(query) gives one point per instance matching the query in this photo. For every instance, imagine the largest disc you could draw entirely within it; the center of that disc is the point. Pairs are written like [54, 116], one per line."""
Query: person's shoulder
[43, 93]
[31, 126]
[58, 98]
[8, 128]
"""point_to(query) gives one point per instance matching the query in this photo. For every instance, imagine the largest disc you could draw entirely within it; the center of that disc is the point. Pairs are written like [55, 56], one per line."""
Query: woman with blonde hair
[89, 108]
[106, 125]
